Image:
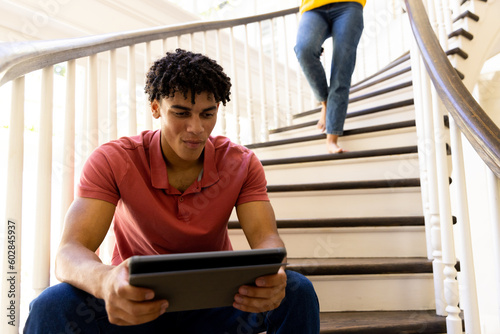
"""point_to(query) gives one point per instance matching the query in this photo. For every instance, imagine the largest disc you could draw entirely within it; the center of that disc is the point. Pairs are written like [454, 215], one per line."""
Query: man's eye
[181, 114]
[209, 115]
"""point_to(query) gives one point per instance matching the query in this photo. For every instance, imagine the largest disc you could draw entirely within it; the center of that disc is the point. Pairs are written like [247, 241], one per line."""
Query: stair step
[347, 133]
[344, 222]
[346, 185]
[342, 156]
[351, 114]
[398, 111]
[362, 283]
[380, 93]
[345, 242]
[374, 202]
[390, 67]
[381, 167]
[397, 76]
[373, 137]
[360, 266]
[378, 292]
[382, 322]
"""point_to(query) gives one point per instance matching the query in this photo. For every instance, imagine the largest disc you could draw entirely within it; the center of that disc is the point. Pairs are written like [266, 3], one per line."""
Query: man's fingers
[134, 313]
[135, 293]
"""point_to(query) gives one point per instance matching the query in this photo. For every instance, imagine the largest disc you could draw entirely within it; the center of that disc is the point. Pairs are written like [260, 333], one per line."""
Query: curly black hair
[184, 71]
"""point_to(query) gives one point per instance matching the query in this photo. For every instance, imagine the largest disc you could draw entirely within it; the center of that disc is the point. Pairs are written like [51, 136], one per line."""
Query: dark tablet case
[192, 281]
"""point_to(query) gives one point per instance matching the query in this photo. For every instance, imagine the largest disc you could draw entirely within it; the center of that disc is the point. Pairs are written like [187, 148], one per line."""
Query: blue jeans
[343, 21]
[66, 309]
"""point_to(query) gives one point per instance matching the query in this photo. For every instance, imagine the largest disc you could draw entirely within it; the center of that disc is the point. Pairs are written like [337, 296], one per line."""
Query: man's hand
[126, 304]
[265, 296]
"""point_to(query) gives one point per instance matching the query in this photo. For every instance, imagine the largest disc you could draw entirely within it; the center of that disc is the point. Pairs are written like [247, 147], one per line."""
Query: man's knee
[66, 306]
[298, 286]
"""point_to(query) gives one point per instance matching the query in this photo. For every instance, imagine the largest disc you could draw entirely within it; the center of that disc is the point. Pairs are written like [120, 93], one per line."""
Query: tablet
[191, 281]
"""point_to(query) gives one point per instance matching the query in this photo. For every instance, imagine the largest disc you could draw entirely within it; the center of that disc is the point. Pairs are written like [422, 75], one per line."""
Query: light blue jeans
[66, 309]
[343, 21]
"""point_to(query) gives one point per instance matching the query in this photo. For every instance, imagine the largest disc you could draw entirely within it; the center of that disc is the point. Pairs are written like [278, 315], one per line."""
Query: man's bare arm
[86, 225]
[259, 225]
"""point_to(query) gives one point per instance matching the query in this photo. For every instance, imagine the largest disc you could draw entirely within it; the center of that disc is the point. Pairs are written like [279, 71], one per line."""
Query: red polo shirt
[151, 216]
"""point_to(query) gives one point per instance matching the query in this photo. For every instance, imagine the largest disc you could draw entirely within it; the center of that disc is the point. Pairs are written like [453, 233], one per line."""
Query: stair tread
[342, 156]
[344, 222]
[382, 322]
[346, 185]
[350, 114]
[322, 136]
[360, 266]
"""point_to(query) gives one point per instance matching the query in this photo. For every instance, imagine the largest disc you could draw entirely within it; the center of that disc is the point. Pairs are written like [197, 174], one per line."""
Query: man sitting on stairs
[170, 191]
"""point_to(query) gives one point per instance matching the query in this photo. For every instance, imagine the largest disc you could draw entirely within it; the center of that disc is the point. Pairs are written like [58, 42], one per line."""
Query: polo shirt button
[181, 199]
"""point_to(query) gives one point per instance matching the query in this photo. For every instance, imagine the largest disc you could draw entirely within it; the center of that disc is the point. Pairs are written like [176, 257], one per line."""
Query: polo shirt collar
[159, 178]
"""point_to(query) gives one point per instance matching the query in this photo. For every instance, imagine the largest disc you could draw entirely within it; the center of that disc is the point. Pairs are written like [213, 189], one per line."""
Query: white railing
[442, 201]
[101, 99]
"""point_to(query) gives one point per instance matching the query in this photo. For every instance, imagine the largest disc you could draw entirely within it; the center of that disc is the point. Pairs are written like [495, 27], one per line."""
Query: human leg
[65, 309]
[299, 311]
[347, 26]
[313, 30]
[322, 117]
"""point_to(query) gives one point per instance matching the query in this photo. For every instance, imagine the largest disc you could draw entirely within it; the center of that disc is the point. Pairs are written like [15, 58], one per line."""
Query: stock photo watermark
[11, 274]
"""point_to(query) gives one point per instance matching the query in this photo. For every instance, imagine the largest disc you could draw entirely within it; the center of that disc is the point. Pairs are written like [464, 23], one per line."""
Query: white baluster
[300, 98]
[68, 161]
[92, 105]
[112, 97]
[204, 43]
[248, 81]
[372, 13]
[148, 118]
[432, 182]
[438, 266]
[470, 305]
[11, 248]
[286, 77]
[236, 109]
[132, 100]
[41, 259]
[164, 46]
[494, 204]
[421, 137]
[274, 71]
[453, 321]
[221, 120]
[264, 129]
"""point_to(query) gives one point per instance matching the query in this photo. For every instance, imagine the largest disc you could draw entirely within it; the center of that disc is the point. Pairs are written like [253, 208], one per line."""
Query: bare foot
[331, 144]
[334, 148]
[321, 125]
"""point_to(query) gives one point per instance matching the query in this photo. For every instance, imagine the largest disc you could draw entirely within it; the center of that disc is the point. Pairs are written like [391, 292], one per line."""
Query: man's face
[185, 127]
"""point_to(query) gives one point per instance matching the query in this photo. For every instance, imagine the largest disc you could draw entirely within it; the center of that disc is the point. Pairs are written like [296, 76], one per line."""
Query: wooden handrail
[472, 120]
[20, 58]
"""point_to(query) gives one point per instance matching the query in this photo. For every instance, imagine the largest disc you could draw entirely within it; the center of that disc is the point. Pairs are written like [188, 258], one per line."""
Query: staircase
[353, 222]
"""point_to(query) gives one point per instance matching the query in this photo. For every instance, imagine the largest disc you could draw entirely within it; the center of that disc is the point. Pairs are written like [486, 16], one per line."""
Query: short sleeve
[255, 186]
[98, 180]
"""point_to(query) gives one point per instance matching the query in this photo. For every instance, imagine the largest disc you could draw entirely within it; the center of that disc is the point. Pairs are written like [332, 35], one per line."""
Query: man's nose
[195, 125]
